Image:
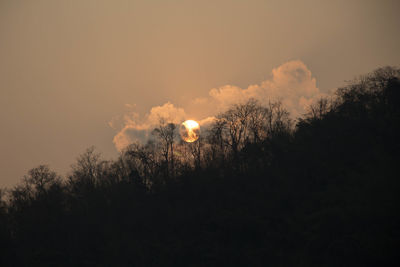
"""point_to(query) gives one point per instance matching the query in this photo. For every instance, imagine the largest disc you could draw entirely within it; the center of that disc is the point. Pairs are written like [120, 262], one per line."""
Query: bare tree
[87, 164]
[235, 125]
[319, 109]
[41, 179]
[166, 132]
[257, 121]
[141, 161]
[278, 119]
[87, 172]
[195, 149]
[248, 122]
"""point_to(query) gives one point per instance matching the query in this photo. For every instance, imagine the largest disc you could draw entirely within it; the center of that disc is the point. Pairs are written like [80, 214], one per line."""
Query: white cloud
[291, 83]
[139, 129]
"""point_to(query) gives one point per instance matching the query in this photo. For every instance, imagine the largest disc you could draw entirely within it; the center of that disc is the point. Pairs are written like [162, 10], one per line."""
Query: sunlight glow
[189, 131]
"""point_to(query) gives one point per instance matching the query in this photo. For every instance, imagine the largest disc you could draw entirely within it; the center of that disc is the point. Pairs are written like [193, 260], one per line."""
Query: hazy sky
[69, 70]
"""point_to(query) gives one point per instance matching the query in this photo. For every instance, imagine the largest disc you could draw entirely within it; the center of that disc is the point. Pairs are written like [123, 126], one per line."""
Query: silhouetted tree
[166, 132]
[253, 191]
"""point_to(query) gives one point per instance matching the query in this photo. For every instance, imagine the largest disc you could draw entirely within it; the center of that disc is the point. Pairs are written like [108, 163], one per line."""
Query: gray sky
[68, 68]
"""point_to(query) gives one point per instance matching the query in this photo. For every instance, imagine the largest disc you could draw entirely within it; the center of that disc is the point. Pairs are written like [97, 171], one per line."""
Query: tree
[140, 162]
[233, 126]
[195, 149]
[249, 122]
[166, 132]
[40, 180]
[87, 172]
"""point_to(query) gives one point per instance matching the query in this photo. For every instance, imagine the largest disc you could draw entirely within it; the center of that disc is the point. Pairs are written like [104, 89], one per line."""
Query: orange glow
[189, 131]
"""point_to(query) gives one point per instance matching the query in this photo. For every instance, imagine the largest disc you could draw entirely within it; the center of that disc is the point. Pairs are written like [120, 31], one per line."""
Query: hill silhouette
[256, 190]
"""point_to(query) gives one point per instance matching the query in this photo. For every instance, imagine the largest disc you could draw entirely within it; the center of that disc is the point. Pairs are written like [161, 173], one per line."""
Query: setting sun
[189, 131]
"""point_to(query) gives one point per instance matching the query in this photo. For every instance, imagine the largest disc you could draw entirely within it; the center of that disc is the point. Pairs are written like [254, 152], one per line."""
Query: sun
[189, 131]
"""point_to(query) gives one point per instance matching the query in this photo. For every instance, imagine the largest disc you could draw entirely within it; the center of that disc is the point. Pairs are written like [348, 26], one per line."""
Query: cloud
[136, 129]
[291, 83]
[167, 111]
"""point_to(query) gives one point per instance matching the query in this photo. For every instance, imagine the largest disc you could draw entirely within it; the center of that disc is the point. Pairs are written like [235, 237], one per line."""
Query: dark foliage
[255, 191]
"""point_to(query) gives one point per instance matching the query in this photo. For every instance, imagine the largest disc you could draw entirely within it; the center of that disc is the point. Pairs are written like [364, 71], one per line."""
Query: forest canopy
[256, 188]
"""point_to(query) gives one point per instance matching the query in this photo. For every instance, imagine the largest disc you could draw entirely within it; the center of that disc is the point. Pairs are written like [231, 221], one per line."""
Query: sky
[75, 74]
